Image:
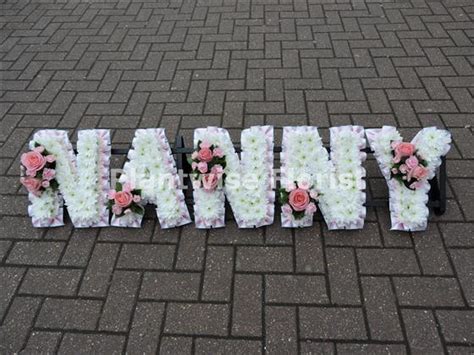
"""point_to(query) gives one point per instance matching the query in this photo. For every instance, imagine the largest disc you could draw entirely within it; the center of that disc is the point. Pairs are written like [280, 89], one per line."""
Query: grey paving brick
[247, 305]
[46, 281]
[18, 322]
[342, 273]
[428, 291]
[421, 330]
[197, 319]
[74, 314]
[456, 325]
[382, 313]
[146, 256]
[170, 286]
[42, 342]
[280, 334]
[332, 323]
[144, 335]
[35, 253]
[387, 261]
[295, 289]
[120, 301]
[264, 259]
[227, 346]
[88, 343]
[177, 345]
[218, 274]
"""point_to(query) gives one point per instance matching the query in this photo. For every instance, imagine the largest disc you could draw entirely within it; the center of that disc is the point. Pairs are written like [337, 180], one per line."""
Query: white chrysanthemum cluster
[45, 207]
[83, 181]
[248, 184]
[151, 168]
[339, 180]
[408, 210]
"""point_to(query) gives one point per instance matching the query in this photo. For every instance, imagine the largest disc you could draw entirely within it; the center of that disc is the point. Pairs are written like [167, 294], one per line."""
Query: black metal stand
[437, 194]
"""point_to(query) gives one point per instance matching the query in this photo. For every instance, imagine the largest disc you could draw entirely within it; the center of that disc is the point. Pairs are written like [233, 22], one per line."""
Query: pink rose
[311, 208]
[202, 167]
[39, 149]
[194, 165]
[305, 185]
[33, 161]
[210, 181]
[194, 156]
[116, 209]
[286, 209]
[394, 171]
[403, 149]
[314, 194]
[111, 194]
[218, 152]
[411, 162]
[218, 170]
[50, 158]
[123, 198]
[419, 172]
[205, 145]
[45, 184]
[49, 174]
[205, 155]
[32, 185]
[299, 199]
[137, 198]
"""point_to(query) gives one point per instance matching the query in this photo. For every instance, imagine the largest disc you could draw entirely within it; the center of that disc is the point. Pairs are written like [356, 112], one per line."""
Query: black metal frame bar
[437, 194]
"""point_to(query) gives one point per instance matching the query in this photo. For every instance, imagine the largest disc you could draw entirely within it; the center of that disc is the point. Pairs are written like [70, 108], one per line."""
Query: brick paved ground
[184, 64]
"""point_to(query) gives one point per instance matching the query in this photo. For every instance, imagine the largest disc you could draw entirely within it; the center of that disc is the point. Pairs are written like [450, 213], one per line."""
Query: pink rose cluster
[208, 164]
[298, 199]
[408, 167]
[38, 170]
[125, 199]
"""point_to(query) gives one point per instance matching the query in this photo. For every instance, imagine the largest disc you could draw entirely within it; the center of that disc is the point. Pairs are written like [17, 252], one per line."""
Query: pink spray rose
[403, 168]
[210, 181]
[111, 194]
[33, 161]
[202, 167]
[137, 198]
[123, 198]
[194, 165]
[299, 199]
[50, 158]
[205, 155]
[194, 156]
[419, 172]
[218, 170]
[39, 149]
[205, 145]
[304, 184]
[311, 207]
[218, 152]
[314, 194]
[32, 185]
[411, 162]
[45, 184]
[116, 209]
[49, 174]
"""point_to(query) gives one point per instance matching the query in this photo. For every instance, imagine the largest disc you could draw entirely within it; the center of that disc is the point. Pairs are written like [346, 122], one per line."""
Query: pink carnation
[202, 167]
[49, 174]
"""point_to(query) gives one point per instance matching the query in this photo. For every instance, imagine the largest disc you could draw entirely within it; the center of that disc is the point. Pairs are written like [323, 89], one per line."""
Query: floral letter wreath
[151, 175]
[309, 176]
[248, 181]
[82, 181]
[407, 168]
